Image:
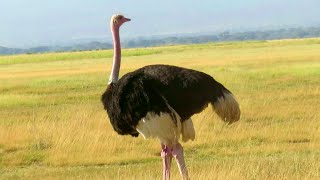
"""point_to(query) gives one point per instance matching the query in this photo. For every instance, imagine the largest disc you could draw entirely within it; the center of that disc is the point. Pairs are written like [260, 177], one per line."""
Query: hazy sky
[35, 22]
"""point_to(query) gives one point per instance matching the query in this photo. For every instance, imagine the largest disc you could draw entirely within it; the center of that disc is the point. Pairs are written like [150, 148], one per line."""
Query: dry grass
[52, 124]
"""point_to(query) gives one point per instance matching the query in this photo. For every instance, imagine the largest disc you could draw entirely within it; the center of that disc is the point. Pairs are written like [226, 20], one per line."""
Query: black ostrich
[158, 100]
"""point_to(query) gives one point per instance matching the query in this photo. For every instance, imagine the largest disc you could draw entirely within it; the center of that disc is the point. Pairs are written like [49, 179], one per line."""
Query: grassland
[53, 126]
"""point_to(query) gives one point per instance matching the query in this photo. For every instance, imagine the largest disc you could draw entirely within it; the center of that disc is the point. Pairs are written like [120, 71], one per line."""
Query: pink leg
[178, 154]
[166, 155]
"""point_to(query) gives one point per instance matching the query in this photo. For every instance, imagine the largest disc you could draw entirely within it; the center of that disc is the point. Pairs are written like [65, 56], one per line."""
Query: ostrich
[157, 101]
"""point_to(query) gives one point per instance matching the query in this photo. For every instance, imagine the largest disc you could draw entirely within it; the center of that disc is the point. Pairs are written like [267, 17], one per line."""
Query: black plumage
[159, 88]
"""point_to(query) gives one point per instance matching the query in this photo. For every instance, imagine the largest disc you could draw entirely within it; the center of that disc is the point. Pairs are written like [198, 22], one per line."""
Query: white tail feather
[227, 108]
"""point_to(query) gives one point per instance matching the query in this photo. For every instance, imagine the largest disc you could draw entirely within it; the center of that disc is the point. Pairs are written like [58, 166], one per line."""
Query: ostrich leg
[166, 155]
[178, 154]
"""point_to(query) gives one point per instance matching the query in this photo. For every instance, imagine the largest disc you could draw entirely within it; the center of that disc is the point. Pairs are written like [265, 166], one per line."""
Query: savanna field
[53, 125]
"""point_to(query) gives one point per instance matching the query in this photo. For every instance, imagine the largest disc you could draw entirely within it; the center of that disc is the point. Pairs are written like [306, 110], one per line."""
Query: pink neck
[114, 76]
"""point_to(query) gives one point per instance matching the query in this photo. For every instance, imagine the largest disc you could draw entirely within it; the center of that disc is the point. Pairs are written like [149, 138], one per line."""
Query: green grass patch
[53, 125]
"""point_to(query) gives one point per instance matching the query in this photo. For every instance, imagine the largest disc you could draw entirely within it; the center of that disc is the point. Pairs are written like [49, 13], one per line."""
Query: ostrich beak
[127, 19]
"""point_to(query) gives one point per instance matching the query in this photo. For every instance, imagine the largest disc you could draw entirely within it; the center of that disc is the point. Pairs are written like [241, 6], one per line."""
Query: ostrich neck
[114, 76]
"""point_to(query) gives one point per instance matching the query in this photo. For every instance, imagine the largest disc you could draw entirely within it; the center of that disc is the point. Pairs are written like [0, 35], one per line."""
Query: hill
[284, 33]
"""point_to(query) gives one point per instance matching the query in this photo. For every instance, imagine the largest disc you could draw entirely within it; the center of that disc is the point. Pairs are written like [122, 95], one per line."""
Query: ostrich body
[158, 101]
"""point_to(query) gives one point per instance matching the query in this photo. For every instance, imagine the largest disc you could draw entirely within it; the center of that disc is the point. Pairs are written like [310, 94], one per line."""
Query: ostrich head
[117, 20]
